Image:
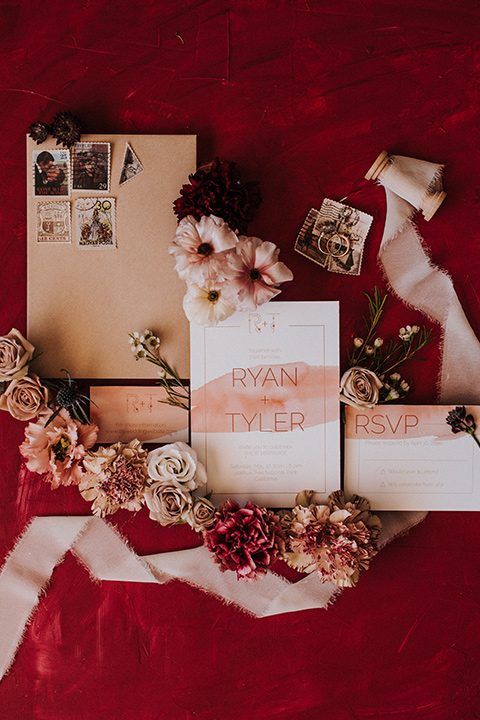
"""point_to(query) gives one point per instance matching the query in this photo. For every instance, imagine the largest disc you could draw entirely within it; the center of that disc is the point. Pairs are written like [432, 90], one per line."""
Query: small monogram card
[126, 412]
[265, 410]
[405, 457]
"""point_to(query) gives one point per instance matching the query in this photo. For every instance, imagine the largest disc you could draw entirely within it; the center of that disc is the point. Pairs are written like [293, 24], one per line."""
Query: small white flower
[393, 395]
[405, 386]
[395, 376]
[415, 329]
[147, 333]
[378, 342]
[161, 373]
[152, 342]
[369, 350]
[358, 342]
[140, 354]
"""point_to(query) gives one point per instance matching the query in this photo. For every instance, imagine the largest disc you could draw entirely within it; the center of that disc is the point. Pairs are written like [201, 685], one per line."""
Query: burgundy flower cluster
[65, 128]
[216, 189]
[247, 540]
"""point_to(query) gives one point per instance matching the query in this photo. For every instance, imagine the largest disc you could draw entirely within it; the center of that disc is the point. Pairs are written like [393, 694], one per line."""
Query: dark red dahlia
[216, 189]
[66, 128]
[38, 131]
[247, 540]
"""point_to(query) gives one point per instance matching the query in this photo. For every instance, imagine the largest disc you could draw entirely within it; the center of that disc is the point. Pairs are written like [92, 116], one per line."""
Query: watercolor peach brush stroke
[282, 399]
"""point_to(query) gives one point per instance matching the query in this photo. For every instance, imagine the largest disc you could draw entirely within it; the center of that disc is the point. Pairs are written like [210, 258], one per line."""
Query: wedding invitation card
[406, 457]
[265, 410]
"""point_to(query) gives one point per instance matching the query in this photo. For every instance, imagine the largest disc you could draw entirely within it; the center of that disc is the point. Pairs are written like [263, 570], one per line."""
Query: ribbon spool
[408, 177]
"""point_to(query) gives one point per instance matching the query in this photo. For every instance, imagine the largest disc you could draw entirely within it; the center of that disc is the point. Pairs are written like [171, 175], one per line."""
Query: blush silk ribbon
[410, 185]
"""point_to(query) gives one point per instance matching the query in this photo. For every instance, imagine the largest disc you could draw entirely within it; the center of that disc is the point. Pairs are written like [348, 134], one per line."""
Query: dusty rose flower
[338, 539]
[116, 478]
[168, 503]
[176, 463]
[360, 387]
[199, 248]
[247, 540]
[15, 355]
[254, 273]
[216, 189]
[58, 449]
[201, 515]
[207, 305]
[24, 398]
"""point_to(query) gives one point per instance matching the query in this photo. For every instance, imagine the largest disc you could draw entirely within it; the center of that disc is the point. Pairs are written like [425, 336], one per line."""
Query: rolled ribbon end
[431, 203]
[378, 166]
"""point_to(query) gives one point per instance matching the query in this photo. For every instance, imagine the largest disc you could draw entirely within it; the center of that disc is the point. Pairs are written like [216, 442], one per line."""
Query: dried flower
[360, 387]
[15, 355]
[168, 503]
[202, 514]
[207, 305]
[66, 128]
[216, 189]
[338, 539]
[59, 449]
[25, 398]
[176, 464]
[199, 248]
[247, 540]
[459, 421]
[116, 478]
[39, 131]
[255, 273]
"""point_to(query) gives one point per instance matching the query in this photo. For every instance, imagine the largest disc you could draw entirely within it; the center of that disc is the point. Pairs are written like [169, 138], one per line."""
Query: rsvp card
[405, 457]
[265, 410]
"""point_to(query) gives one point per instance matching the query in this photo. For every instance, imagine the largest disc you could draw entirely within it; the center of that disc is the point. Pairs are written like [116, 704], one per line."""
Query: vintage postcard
[131, 165]
[265, 409]
[91, 166]
[53, 222]
[95, 222]
[334, 237]
[406, 457]
[128, 412]
[51, 173]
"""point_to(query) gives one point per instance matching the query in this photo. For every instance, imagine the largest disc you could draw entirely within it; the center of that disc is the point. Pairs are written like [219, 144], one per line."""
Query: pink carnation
[255, 273]
[338, 540]
[247, 540]
[58, 449]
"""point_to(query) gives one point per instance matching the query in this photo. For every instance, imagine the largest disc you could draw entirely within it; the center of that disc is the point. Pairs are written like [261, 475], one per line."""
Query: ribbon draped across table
[107, 557]
[410, 184]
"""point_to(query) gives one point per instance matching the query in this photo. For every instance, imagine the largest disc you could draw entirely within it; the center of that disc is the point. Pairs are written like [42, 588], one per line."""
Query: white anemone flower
[206, 305]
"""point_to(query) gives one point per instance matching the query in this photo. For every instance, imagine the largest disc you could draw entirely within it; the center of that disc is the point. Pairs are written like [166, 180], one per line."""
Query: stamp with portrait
[91, 166]
[95, 222]
[334, 237]
[51, 173]
[53, 222]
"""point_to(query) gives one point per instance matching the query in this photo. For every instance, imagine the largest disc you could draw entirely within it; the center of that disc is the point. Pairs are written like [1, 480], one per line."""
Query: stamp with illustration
[95, 222]
[53, 222]
[91, 166]
[334, 237]
[51, 173]
[131, 165]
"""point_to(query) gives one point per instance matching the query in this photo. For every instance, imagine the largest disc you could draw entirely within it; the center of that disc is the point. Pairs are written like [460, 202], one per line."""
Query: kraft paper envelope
[83, 301]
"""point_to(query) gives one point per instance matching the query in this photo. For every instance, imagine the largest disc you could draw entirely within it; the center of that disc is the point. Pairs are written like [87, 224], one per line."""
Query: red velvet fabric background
[303, 94]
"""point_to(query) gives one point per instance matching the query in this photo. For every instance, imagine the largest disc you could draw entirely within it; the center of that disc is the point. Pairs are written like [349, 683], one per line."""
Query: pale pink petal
[277, 273]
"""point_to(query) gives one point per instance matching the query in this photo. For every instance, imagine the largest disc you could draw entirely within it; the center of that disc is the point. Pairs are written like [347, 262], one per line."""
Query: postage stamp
[334, 237]
[131, 165]
[95, 222]
[51, 173]
[91, 166]
[53, 222]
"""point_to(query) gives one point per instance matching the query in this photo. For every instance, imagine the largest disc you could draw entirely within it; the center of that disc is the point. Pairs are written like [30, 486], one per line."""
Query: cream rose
[202, 514]
[360, 387]
[176, 464]
[168, 503]
[15, 355]
[24, 398]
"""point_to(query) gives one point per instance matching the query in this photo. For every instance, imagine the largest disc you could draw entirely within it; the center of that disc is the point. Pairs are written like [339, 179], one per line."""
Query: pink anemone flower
[255, 273]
